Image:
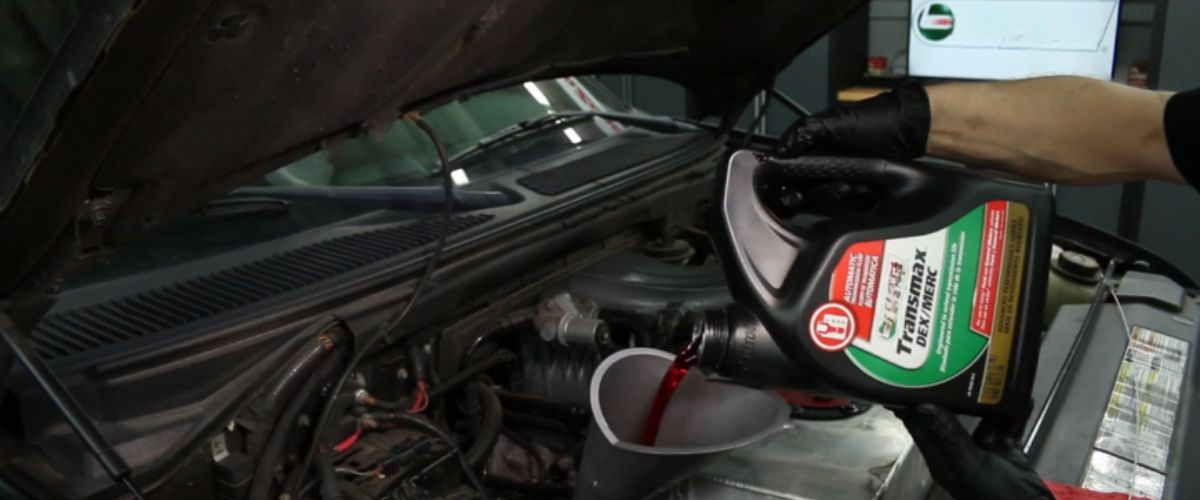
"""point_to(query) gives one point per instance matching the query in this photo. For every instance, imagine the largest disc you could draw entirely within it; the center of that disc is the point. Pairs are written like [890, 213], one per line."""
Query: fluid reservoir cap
[1077, 266]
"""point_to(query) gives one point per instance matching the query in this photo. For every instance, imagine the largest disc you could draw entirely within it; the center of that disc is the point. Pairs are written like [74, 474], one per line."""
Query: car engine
[511, 394]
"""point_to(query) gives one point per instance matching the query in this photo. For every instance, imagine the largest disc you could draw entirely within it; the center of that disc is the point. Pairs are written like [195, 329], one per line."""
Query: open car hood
[154, 106]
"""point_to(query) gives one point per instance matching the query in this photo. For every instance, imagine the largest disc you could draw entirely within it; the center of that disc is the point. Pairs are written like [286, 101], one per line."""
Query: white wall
[888, 32]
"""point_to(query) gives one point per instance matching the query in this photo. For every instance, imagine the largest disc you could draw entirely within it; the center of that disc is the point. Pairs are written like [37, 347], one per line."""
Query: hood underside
[155, 106]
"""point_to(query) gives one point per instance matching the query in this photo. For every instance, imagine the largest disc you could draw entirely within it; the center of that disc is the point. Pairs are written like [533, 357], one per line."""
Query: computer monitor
[1008, 39]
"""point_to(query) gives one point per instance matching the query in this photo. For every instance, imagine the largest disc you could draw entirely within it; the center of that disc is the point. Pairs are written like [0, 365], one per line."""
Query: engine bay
[503, 390]
[512, 395]
[491, 393]
[511, 398]
[508, 397]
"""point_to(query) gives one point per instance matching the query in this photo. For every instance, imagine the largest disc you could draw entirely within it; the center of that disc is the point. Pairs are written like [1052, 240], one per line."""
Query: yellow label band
[1007, 304]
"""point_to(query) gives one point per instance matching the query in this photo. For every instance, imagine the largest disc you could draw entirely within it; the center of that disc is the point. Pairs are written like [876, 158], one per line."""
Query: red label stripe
[991, 250]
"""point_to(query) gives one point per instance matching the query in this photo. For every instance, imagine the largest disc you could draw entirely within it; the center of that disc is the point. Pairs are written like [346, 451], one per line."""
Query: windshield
[391, 174]
[400, 154]
[30, 33]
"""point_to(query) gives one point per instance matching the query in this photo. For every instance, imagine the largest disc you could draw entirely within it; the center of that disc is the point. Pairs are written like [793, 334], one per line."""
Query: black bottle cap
[1078, 267]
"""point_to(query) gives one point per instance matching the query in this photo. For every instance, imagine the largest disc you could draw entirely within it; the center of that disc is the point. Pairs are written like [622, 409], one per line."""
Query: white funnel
[705, 418]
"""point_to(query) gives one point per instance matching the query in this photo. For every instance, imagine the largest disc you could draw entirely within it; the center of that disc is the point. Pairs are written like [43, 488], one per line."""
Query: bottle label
[927, 309]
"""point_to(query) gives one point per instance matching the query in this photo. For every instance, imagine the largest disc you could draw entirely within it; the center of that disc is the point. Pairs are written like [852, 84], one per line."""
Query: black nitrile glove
[893, 125]
[989, 467]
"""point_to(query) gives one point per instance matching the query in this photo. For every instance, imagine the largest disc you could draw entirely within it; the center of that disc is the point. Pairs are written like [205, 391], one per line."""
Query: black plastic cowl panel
[76, 332]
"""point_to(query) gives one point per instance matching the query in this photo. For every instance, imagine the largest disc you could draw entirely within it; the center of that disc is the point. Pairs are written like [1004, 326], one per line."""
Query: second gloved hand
[892, 125]
[988, 467]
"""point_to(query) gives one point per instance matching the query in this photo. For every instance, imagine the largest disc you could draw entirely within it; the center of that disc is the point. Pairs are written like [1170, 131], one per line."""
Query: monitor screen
[1006, 39]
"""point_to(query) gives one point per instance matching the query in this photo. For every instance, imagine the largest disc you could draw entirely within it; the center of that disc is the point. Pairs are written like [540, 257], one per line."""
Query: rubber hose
[490, 425]
[273, 454]
[295, 477]
[560, 407]
[367, 343]
[265, 408]
[516, 321]
[330, 489]
[496, 359]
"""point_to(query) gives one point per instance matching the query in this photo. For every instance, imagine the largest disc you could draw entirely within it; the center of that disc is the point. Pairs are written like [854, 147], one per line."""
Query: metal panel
[865, 457]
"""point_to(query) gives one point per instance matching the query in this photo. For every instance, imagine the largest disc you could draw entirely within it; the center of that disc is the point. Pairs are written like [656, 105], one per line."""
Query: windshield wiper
[388, 197]
[526, 127]
[243, 205]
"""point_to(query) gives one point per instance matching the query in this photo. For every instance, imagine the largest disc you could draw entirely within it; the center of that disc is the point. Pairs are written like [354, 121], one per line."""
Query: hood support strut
[79, 421]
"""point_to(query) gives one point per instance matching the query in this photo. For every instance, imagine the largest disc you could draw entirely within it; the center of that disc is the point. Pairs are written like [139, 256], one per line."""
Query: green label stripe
[955, 346]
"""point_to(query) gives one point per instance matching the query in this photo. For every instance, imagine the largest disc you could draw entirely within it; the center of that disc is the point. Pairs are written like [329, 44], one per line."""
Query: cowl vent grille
[75, 332]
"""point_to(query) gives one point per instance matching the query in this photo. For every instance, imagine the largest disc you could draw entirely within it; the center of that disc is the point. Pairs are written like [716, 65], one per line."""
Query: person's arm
[1070, 130]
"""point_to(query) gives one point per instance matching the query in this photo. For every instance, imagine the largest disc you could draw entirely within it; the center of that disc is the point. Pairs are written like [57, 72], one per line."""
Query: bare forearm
[1062, 129]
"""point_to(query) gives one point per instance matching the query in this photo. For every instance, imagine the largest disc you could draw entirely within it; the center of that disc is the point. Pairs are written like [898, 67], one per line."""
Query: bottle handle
[767, 251]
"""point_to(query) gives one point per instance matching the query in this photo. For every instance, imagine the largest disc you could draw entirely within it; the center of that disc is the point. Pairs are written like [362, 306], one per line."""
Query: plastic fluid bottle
[890, 282]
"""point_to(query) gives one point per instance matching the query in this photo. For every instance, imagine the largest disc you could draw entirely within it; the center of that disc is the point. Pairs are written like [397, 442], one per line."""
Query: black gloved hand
[892, 125]
[989, 467]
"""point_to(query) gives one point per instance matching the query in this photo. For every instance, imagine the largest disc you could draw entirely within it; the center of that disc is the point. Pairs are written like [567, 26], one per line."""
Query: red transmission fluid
[683, 362]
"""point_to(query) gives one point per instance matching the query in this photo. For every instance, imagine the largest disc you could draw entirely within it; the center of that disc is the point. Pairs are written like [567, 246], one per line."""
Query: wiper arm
[523, 128]
[520, 128]
[398, 197]
[243, 205]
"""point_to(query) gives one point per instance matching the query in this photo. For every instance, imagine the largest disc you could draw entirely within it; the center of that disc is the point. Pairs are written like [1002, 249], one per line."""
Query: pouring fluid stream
[683, 362]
